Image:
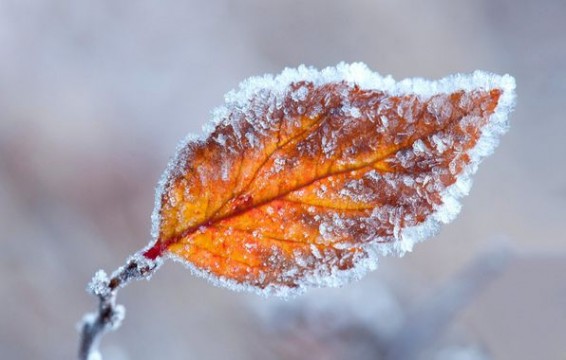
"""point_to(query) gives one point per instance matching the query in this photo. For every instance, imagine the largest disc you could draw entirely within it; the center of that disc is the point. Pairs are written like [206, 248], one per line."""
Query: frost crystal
[323, 172]
[99, 284]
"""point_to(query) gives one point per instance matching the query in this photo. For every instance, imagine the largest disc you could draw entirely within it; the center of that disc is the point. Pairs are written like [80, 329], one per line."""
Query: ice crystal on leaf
[306, 178]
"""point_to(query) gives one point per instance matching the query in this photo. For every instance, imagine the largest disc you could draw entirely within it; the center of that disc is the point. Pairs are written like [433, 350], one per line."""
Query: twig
[109, 315]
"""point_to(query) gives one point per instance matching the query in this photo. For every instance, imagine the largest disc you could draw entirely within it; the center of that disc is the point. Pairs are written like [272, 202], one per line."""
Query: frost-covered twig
[109, 315]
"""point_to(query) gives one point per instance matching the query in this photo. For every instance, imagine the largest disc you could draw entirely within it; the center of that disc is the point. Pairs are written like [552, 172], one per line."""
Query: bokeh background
[94, 96]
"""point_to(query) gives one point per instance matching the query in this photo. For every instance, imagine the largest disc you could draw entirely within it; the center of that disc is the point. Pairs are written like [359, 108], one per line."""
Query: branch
[109, 315]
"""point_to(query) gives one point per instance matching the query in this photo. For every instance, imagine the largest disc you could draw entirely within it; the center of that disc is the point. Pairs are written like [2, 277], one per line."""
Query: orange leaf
[306, 177]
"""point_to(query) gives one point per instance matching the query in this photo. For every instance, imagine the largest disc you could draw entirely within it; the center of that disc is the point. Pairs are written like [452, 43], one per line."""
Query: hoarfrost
[225, 168]
[316, 253]
[279, 165]
[252, 140]
[326, 231]
[353, 112]
[221, 139]
[300, 94]
[420, 147]
[440, 143]
[259, 98]
[99, 284]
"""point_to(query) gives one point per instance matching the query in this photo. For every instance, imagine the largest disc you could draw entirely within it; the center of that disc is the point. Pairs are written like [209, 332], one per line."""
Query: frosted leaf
[322, 172]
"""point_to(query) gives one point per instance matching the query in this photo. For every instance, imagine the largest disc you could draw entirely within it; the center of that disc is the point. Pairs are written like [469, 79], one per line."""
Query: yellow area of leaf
[287, 188]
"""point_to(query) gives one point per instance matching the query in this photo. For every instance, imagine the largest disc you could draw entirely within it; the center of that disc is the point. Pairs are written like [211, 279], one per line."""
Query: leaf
[305, 178]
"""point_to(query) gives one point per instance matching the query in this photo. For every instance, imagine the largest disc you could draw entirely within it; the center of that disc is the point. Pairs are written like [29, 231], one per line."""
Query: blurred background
[95, 95]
